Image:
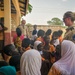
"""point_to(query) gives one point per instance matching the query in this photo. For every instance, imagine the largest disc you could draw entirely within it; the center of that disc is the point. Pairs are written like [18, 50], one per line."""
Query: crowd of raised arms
[45, 53]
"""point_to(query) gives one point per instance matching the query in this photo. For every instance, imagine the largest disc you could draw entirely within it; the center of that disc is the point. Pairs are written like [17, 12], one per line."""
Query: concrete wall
[45, 27]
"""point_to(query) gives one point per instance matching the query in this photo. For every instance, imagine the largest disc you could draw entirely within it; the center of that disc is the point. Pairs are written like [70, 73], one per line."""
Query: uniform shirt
[70, 34]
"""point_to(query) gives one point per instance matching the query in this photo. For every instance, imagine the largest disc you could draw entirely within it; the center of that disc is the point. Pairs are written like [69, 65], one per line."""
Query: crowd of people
[45, 53]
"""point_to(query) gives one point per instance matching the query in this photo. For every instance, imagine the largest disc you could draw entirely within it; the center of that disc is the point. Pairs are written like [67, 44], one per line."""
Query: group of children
[47, 44]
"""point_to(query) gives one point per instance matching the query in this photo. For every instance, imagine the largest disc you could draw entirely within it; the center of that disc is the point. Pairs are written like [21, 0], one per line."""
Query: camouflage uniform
[70, 34]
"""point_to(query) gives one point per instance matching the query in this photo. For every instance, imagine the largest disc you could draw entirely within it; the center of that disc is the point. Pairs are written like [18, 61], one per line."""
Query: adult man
[23, 28]
[69, 18]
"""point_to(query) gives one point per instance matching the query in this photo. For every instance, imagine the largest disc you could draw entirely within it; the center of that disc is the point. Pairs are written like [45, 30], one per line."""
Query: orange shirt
[60, 39]
[52, 48]
[28, 48]
[40, 39]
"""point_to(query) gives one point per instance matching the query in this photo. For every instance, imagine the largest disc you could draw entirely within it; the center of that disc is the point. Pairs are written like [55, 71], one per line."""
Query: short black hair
[26, 42]
[60, 32]
[8, 48]
[15, 61]
[41, 33]
[48, 32]
[18, 31]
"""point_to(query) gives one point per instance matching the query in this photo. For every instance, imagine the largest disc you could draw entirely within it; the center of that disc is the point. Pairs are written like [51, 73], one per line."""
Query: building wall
[45, 27]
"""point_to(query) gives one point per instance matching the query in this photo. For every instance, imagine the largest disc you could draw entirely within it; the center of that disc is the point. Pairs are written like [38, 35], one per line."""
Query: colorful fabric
[28, 48]
[8, 70]
[40, 39]
[60, 39]
[15, 36]
[18, 42]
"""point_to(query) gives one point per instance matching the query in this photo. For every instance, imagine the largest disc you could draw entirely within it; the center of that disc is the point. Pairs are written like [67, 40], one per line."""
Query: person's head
[8, 49]
[35, 27]
[34, 32]
[15, 61]
[47, 39]
[48, 32]
[7, 70]
[26, 42]
[30, 63]
[55, 35]
[3, 63]
[23, 21]
[69, 18]
[38, 45]
[41, 33]
[18, 31]
[60, 32]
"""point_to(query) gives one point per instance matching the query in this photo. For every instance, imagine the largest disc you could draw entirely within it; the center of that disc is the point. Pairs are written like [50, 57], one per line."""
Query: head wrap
[30, 63]
[66, 65]
[36, 43]
[8, 70]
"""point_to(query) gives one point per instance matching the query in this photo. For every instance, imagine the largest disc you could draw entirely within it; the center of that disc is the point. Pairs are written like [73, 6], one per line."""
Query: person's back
[66, 64]
[30, 63]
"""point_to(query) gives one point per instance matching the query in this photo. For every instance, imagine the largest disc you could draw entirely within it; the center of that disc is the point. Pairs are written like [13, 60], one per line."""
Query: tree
[49, 22]
[29, 24]
[55, 21]
[29, 10]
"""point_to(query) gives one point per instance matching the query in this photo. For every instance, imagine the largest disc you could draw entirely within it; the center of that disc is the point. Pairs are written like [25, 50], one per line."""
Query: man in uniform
[69, 18]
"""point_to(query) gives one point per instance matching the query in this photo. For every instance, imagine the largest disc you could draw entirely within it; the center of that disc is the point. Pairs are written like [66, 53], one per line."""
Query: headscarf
[8, 70]
[66, 65]
[36, 43]
[30, 63]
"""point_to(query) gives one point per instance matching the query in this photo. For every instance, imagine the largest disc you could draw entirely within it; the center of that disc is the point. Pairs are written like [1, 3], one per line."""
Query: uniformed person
[69, 18]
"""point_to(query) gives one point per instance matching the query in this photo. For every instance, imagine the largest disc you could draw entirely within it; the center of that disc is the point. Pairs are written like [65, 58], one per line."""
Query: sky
[45, 10]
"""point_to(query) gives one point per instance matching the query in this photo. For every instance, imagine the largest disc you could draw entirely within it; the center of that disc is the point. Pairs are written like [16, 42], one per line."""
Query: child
[18, 40]
[26, 44]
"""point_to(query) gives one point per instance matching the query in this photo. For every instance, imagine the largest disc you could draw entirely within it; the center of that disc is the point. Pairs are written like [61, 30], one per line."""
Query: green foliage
[55, 21]
[29, 10]
[28, 24]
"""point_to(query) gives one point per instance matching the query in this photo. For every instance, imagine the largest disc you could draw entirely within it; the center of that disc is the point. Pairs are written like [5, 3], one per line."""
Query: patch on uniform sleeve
[73, 37]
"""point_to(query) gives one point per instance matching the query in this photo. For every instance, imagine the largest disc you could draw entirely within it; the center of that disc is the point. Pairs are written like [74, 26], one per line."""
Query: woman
[66, 65]
[69, 18]
[30, 63]
[7, 70]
